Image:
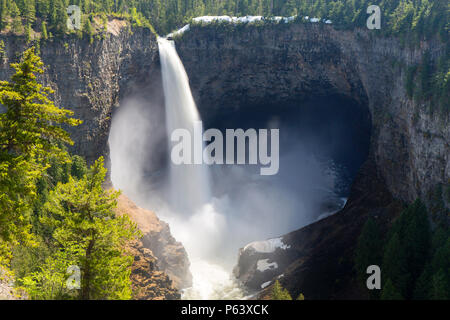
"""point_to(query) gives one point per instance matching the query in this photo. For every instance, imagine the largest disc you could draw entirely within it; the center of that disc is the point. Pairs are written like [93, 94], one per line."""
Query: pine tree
[17, 26]
[29, 11]
[279, 293]
[4, 13]
[89, 235]
[440, 287]
[30, 135]
[87, 29]
[44, 30]
[368, 250]
[301, 297]
[390, 292]
[422, 291]
[394, 264]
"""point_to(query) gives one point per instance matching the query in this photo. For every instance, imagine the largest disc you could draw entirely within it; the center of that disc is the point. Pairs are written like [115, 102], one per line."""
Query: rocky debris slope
[170, 255]
[148, 282]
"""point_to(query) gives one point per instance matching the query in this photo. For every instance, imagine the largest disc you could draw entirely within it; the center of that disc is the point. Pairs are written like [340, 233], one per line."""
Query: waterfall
[199, 226]
[189, 183]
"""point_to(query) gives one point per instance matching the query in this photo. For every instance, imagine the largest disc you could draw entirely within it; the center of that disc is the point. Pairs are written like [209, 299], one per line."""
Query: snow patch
[236, 20]
[267, 246]
[265, 284]
[263, 265]
[179, 31]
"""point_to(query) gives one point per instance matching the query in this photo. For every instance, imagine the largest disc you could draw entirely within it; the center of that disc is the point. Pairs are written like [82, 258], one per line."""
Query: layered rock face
[409, 149]
[90, 79]
[235, 67]
[249, 65]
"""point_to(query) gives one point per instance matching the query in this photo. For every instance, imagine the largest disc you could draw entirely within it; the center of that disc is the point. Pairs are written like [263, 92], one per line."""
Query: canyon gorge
[349, 85]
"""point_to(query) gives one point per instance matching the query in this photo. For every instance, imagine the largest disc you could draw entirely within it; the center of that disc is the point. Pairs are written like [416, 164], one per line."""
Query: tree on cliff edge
[30, 135]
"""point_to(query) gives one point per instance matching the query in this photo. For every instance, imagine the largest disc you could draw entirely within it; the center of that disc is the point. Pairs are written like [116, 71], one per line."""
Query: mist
[245, 206]
[216, 209]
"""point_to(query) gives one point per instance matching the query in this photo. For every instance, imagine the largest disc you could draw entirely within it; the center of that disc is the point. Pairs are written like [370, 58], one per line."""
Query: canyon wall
[234, 67]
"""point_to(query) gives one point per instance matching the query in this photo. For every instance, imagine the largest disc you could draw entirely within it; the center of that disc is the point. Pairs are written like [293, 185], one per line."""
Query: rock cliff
[409, 150]
[157, 248]
[234, 67]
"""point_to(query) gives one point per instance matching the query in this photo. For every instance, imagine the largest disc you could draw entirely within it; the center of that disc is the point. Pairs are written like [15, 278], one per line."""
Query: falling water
[190, 189]
[189, 184]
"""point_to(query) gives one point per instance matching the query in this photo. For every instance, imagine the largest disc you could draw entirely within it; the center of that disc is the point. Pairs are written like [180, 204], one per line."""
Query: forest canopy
[422, 18]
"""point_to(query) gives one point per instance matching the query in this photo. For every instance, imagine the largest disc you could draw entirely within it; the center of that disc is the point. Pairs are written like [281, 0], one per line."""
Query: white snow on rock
[210, 19]
[267, 246]
[235, 20]
[263, 265]
[265, 284]
[179, 31]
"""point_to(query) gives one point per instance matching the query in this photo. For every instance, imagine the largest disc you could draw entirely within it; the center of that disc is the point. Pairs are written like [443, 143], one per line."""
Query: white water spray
[190, 188]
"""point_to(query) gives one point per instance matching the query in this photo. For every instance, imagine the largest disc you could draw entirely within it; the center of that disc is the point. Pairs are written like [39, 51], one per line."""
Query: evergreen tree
[29, 11]
[390, 292]
[440, 286]
[394, 265]
[87, 234]
[368, 250]
[301, 297]
[4, 14]
[17, 26]
[279, 293]
[44, 34]
[30, 136]
[422, 290]
[79, 168]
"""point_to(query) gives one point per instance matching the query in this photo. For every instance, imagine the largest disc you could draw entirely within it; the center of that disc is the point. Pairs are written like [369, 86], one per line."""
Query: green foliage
[79, 167]
[369, 250]
[29, 137]
[410, 85]
[279, 293]
[411, 19]
[390, 292]
[415, 262]
[85, 233]
[44, 34]
[407, 249]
